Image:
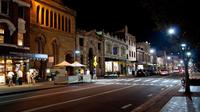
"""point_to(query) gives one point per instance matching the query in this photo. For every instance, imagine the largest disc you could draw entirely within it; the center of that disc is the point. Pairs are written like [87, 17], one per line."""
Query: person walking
[28, 77]
[10, 78]
[20, 75]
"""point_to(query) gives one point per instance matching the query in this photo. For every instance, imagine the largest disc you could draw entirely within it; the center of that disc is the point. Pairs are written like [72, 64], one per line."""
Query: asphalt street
[106, 95]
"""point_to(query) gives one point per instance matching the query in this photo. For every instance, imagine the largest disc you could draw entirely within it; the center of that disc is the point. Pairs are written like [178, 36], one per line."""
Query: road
[106, 95]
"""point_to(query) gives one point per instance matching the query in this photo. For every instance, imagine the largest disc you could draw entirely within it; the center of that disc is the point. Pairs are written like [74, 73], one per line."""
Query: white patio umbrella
[63, 64]
[77, 64]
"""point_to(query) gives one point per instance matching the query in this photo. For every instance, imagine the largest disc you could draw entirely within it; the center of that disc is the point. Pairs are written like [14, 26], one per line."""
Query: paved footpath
[173, 100]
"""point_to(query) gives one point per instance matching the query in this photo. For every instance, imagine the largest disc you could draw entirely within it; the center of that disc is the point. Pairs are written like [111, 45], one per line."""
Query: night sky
[146, 19]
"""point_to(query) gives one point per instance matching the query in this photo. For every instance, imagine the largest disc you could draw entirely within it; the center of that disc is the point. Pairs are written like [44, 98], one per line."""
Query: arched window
[37, 14]
[63, 23]
[69, 23]
[55, 51]
[2, 36]
[59, 21]
[51, 19]
[47, 17]
[55, 20]
[66, 26]
[42, 16]
[40, 45]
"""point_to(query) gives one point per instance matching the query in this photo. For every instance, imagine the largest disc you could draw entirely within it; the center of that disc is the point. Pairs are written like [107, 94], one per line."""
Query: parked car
[164, 72]
[141, 73]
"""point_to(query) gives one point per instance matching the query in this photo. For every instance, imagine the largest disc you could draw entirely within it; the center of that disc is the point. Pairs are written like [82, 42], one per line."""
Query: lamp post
[186, 57]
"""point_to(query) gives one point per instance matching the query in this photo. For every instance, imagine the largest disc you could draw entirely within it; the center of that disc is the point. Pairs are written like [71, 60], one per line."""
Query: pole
[187, 82]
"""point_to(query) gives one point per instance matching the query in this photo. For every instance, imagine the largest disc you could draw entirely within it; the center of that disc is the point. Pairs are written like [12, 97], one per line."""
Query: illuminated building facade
[115, 55]
[14, 37]
[91, 49]
[52, 32]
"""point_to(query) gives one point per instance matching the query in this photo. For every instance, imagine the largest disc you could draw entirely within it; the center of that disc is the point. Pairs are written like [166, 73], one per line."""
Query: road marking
[150, 95]
[162, 89]
[74, 100]
[49, 94]
[126, 106]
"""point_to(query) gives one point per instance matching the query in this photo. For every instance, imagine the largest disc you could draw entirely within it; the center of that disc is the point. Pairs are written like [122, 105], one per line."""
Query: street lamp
[171, 31]
[75, 53]
[186, 57]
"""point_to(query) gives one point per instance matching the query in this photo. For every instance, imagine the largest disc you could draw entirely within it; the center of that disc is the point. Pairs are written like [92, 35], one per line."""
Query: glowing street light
[171, 31]
[188, 54]
[168, 58]
[152, 51]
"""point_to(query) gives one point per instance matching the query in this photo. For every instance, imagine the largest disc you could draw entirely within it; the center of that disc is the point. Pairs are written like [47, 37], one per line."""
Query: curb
[29, 90]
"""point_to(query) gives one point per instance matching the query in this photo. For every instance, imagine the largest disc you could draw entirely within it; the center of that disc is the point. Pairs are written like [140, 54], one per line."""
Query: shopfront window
[1, 36]
[108, 66]
[20, 39]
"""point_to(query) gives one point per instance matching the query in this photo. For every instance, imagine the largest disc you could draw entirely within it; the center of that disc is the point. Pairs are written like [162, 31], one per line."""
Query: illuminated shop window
[20, 39]
[1, 36]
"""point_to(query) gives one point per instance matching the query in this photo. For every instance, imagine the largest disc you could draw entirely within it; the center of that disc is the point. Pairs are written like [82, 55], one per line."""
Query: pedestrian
[14, 78]
[10, 78]
[28, 77]
[20, 75]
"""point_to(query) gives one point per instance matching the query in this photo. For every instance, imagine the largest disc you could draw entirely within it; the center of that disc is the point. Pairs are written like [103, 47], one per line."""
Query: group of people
[16, 77]
[31, 75]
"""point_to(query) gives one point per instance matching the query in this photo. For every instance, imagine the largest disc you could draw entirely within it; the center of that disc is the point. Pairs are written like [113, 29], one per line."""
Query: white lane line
[74, 100]
[49, 94]
[150, 95]
[162, 89]
[126, 106]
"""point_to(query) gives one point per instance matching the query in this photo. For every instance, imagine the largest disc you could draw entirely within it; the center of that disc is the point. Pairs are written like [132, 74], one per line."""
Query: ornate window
[63, 22]
[59, 21]
[4, 7]
[108, 48]
[55, 51]
[40, 45]
[55, 20]
[69, 24]
[37, 14]
[47, 17]
[51, 19]
[42, 16]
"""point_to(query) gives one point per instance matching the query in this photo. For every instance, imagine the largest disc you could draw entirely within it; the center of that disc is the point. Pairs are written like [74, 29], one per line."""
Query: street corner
[182, 104]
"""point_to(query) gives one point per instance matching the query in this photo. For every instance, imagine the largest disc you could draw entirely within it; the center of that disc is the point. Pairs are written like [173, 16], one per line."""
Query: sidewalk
[173, 100]
[5, 90]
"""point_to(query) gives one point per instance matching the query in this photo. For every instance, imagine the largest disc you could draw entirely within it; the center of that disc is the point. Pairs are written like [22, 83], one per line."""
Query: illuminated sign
[95, 61]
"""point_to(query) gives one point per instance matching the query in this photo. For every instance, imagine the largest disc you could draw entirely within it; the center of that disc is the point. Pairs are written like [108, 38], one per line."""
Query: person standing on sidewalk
[20, 75]
[10, 78]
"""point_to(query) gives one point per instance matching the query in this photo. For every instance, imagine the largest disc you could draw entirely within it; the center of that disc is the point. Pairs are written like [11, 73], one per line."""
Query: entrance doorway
[90, 61]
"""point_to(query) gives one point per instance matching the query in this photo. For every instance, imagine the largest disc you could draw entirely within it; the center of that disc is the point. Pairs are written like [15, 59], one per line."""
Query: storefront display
[108, 66]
